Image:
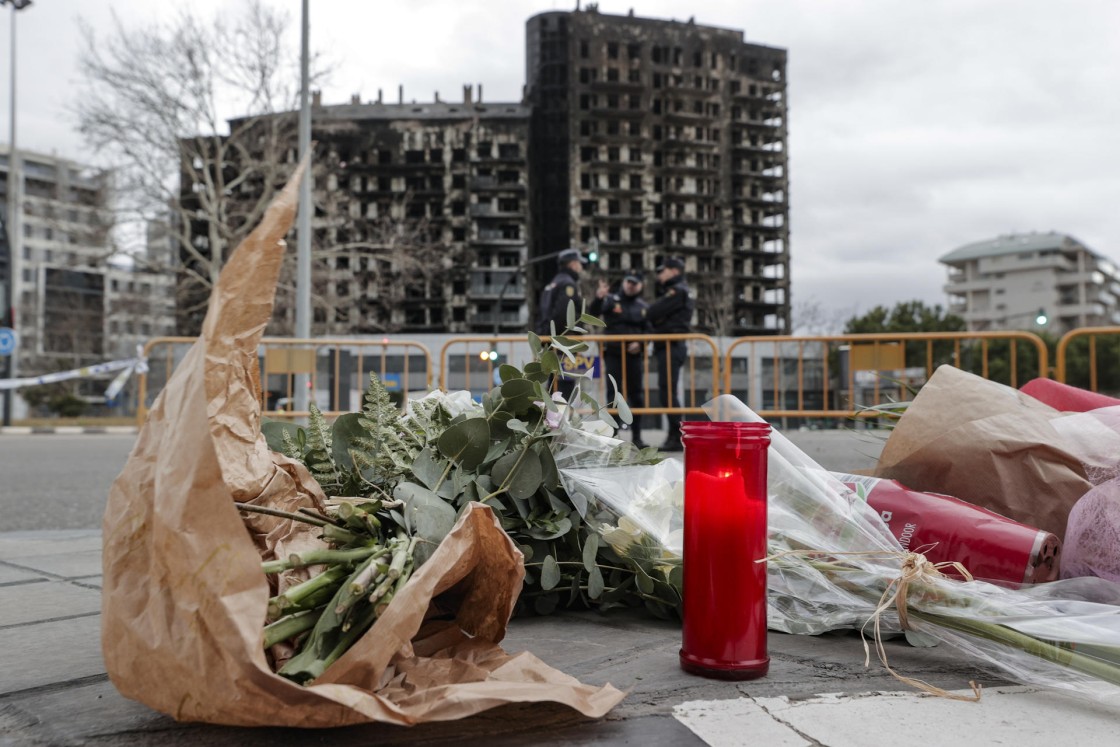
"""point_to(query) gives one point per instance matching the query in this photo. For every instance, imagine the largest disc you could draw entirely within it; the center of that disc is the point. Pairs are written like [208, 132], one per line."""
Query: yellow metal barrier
[840, 375]
[1084, 368]
[463, 366]
[342, 366]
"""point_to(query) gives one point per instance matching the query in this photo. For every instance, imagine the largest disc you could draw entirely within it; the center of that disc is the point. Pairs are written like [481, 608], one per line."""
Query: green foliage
[497, 453]
[913, 316]
[906, 316]
[1100, 351]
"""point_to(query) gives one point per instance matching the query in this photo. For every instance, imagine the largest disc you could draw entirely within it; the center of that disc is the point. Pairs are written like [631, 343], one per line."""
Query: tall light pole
[303, 228]
[14, 229]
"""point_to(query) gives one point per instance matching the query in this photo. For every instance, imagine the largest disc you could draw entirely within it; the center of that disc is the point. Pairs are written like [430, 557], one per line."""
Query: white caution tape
[128, 366]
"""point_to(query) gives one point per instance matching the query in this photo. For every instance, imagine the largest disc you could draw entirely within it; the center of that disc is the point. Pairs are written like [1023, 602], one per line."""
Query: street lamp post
[14, 230]
[303, 229]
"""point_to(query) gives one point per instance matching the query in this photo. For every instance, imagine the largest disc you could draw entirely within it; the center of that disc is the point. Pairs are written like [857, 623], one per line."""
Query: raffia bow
[914, 567]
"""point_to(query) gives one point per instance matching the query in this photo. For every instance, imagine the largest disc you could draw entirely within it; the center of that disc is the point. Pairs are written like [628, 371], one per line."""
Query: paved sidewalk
[68, 430]
[54, 689]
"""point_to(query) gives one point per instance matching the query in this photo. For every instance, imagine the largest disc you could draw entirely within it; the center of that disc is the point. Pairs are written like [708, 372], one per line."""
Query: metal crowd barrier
[834, 376]
[337, 371]
[472, 363]
[847, 375]
[1089, 358]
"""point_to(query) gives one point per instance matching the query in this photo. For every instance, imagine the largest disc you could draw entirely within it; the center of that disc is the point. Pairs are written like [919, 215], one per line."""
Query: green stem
[1042, 649]
[282, 514]
[290, 626]
[321, 557]
[298, 594]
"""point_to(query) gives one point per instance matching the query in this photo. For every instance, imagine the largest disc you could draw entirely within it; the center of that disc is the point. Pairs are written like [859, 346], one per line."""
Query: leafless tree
[159, 101]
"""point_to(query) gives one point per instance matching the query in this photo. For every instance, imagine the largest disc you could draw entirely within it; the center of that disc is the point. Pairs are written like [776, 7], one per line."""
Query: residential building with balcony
[421, 218]
[73, 307]
[1003, 283]
[653, 138]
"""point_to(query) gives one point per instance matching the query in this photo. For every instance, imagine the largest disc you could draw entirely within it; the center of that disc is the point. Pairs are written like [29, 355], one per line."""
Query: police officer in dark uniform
[563, 288]
[671, 313]
[625, 314]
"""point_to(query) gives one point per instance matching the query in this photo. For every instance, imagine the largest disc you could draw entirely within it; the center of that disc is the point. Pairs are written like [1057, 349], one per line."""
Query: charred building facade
[424, 212]
[421, 218]
[655, 138]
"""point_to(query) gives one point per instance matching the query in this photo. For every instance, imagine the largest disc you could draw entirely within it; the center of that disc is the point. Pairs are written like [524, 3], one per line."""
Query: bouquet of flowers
[835, 564]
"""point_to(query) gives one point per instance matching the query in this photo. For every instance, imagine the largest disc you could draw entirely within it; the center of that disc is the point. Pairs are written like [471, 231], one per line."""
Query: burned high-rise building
[656, 138]
[639, 137]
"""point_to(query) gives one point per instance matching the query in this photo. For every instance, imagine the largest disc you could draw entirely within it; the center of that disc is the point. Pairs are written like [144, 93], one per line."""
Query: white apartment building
[1005, 282]
[72, 306]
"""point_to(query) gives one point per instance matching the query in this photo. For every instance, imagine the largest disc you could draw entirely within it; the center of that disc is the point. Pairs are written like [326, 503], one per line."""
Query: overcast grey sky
[915, 127]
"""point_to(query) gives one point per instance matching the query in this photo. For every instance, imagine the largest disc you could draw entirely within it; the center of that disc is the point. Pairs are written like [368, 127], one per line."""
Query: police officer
[553, 309]
[671, 313]
[562, 289]
[625, 314]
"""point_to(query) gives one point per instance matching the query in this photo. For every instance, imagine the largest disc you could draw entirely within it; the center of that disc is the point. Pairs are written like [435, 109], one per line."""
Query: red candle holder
[724, 631]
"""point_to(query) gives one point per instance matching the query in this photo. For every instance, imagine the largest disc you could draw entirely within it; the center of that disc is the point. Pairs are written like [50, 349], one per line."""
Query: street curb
[69, 430]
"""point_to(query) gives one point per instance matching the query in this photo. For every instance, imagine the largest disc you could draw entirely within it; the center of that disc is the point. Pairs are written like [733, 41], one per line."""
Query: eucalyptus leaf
[272, 431]
[550, 476]
[570, 320]
[550, 573]
[506, 372]
[466, 443]
[624, 413]
[426, 469]
[496, 450]
[518, 389]
[517, 425]
[607, 418]
[553, 531]
[430, 517]
[535, 346]
[519, 472]
[590, 550]
[550, 362]
[595, 583]
[591, 321]
[345, 429]
[645, 583]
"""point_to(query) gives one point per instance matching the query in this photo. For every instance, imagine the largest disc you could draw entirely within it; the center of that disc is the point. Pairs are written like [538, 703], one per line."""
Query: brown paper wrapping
[990, 445]
[184, 599]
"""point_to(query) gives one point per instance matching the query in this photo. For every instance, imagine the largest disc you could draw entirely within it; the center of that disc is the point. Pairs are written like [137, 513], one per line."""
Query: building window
[612, 50]
[585, 180]
[634, 51]
[612, 74]
[588, 207]
[584, 50]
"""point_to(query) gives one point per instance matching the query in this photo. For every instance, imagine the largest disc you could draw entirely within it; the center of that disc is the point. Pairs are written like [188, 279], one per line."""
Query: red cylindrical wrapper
[944, 529]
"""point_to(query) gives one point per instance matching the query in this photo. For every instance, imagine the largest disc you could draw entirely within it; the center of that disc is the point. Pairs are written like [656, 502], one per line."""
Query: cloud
[914, 127]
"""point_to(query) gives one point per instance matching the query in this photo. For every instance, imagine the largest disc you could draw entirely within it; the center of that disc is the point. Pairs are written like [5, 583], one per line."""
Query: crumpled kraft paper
[995, 447]
[184, 599]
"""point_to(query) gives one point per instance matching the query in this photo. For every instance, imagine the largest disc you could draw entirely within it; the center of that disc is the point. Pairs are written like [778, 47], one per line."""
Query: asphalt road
[50, 481]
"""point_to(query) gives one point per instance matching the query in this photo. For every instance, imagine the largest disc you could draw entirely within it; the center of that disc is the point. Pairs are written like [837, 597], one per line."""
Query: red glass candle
[724, 632]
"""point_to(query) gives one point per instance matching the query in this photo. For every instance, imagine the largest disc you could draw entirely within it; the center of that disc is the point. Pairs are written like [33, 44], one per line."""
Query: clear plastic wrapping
[833, 559]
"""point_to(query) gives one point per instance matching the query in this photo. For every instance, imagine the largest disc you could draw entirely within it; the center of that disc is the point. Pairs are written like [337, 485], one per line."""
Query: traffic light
[593, 256]
[488, 356]
[1041, 319]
